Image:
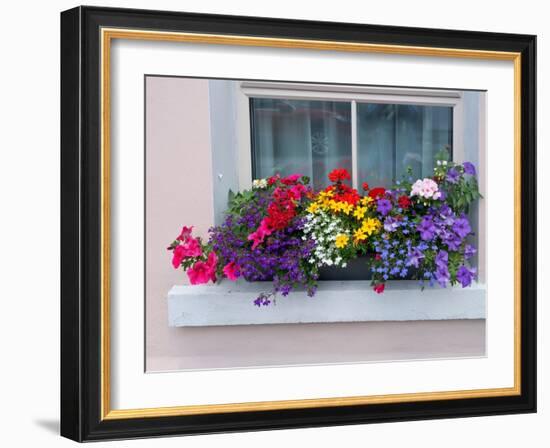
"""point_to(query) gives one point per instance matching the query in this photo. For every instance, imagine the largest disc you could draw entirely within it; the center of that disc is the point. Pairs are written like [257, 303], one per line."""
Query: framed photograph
[272, 223]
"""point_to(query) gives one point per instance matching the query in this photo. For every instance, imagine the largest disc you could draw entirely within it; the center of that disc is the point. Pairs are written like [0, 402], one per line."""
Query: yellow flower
[346, 207]
[341, 241]
[370, 225]
[366, 201]
[359, 235]
[334, 206]
[325, 194]
[359, 212]
[313, 207]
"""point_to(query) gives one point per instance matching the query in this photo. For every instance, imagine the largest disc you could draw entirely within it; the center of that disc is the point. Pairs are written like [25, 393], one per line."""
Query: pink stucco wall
[179, 191]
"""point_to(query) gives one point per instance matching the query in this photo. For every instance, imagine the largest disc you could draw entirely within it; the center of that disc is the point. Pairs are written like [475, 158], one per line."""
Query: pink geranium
[232, 271]
[203, 271]
[260, 233]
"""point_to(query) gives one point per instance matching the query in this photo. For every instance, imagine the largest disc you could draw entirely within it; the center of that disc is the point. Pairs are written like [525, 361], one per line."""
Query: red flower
[404, 202]
[280, 213]
[273, 179]
[339, 175]
[379, 288]
[377, 257]
[377, 192]
[365, 186]
[344, 193]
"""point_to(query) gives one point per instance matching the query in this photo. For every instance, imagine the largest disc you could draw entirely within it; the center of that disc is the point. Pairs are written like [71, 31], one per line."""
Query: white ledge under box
[231, 303]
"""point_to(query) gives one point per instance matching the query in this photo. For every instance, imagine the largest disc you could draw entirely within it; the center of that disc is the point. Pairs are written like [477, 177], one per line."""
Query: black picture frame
[81, 224]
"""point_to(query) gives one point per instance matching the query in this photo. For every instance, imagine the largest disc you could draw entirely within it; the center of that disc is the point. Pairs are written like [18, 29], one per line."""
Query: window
[393, 137]
[375, 142]
[297, 136]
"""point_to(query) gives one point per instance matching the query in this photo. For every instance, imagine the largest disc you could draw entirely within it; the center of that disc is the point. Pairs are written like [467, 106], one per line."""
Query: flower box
[356, 269]
[231, 303]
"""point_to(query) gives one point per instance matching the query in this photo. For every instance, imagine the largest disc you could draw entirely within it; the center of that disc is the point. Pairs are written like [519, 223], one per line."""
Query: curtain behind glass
[392, 137]
[300, 136]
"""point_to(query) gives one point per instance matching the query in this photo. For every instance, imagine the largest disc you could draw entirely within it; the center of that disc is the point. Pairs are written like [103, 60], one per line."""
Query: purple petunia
[469, 251]
[469, 168]
[442, 258]
[384, 206]
[462, 227]
[453, 175]
[465, 276]
[426, 228]
[452, 240]
[442, 275]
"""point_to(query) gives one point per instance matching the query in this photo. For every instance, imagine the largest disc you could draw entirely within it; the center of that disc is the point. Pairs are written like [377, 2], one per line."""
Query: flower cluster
[195, 257]
[281, 231]
[262, 236]
[424, 237]
[340, 221]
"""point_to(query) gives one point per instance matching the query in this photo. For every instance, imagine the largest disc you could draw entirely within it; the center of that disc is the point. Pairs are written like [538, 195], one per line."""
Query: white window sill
[231, 303]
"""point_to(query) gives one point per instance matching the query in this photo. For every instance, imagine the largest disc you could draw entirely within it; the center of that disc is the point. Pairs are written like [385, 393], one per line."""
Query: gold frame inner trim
[107, 35]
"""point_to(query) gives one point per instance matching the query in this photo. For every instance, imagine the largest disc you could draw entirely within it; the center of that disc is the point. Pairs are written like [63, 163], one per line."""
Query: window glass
[392, 137]
[300, 136]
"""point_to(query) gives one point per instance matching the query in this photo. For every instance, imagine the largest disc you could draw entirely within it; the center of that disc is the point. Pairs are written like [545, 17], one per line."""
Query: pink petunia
[191, 248]
[203, 271]
[185, 233]
[259, 235]
[178, 256]
[199, 273]
[232, 271]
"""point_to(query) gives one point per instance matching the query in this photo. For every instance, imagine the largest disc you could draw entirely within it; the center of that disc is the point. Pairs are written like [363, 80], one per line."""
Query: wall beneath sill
[179, 166]
[275, 345]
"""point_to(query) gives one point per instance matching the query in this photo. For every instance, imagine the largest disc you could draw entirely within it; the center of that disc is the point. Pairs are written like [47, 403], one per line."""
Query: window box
[230, 303]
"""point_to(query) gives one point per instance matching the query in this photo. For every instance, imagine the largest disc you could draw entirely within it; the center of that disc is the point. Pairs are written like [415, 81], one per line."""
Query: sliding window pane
[392, 137]
[300, 136]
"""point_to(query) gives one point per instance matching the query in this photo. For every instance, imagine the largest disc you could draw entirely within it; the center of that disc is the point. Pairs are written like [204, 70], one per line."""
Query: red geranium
[404, 202]
[339, 175]
[379, 288]
[365, 186]
[377, 192]
[344, 193]
[282, 209]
